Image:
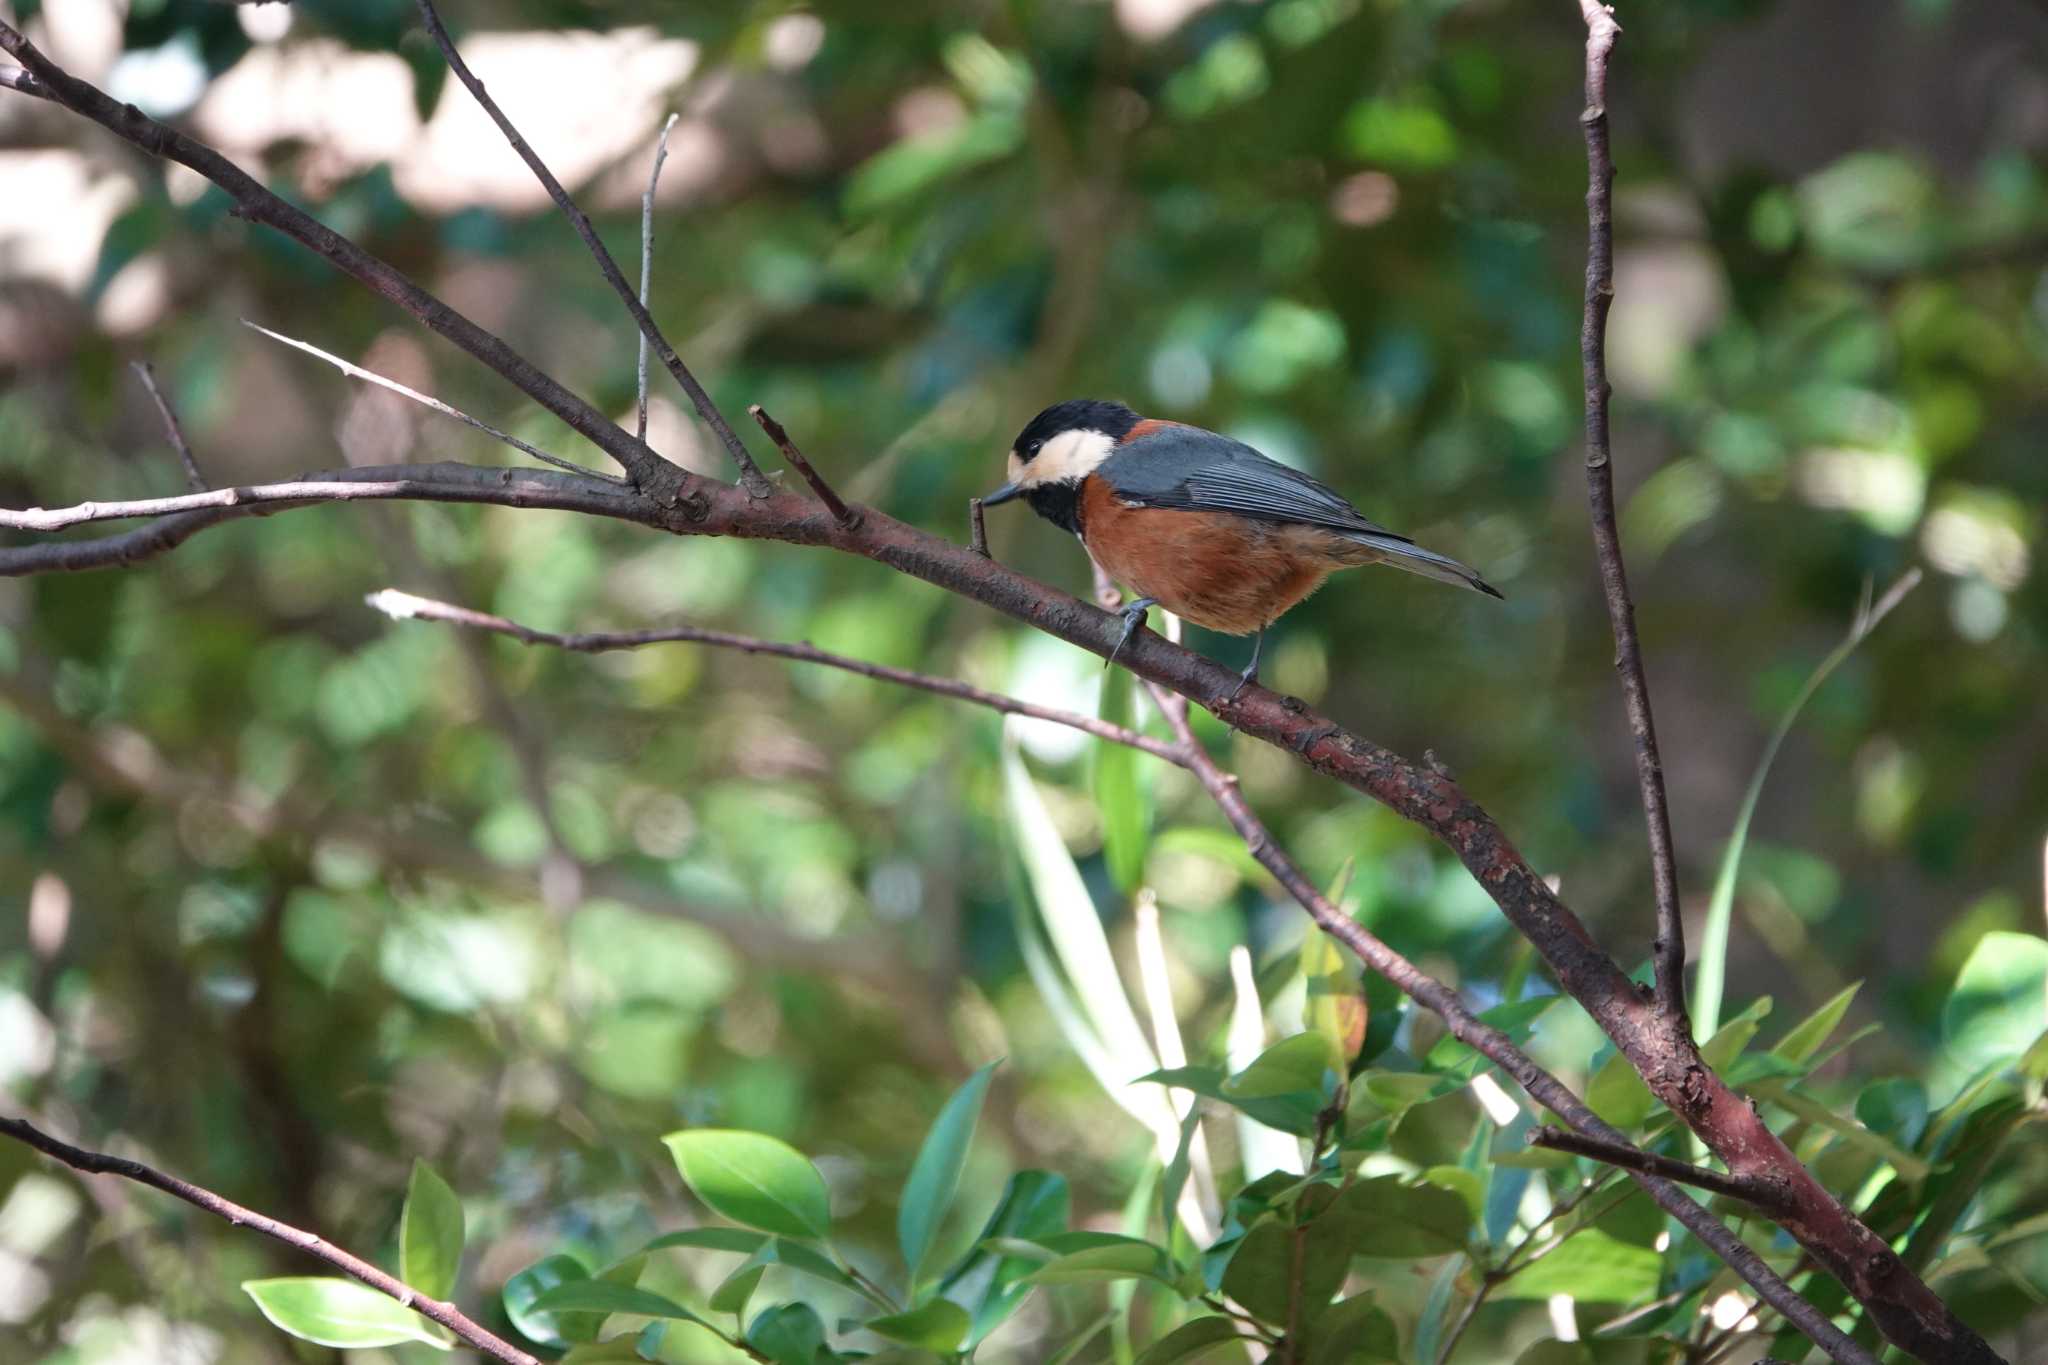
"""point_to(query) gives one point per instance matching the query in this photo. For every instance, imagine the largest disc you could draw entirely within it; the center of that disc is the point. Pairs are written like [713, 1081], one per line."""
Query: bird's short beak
[1003, 494]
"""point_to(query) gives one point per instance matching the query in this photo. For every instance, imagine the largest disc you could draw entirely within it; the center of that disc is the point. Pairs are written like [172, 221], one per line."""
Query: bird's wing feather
[1192, 470]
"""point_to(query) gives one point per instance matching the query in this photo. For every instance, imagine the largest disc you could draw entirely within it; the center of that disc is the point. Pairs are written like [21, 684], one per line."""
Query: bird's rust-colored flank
[1145, 427]
[1228, 573]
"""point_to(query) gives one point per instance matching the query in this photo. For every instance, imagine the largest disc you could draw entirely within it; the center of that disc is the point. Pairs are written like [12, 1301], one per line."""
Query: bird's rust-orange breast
[1219, 570]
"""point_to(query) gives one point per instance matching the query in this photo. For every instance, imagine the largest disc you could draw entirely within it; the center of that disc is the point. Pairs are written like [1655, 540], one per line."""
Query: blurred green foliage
[297, 895]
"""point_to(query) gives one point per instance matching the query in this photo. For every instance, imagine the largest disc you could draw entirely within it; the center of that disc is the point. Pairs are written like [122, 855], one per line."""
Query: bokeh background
[290, 893]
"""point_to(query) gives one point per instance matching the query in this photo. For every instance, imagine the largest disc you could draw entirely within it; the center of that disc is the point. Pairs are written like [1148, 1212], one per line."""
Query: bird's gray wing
[1192, 470]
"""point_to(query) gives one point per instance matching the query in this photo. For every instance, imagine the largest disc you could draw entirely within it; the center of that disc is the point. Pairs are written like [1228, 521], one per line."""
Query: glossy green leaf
[1293, 1112]
[1810, 1034]
[340, 1313]
[604, 1297]
[558, 1331]
[935, 1175]
[1267, 1276]
[745, 1241]
[737, 1288]
[1999, 1005]
[1190, 1341]
[1296, 1065]
[1336, 1007]
[753, 1179]
[936, 1325]
[989, 1283]
[1118, 1258]
[430, 1234]
[788, 1334]
[1591, 1267]
[1618, 1095]
[1721, 1050]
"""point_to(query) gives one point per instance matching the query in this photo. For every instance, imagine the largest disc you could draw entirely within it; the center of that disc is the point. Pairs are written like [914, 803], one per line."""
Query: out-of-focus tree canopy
[293, 893]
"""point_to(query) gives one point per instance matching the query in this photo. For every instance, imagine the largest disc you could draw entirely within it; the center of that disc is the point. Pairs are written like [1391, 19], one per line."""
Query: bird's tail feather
[1406, 554]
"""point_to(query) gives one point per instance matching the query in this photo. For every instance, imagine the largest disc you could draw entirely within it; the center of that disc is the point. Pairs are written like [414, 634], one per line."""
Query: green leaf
[737, 1288]
[1290, 1113]
[1711, 976]
[1386, 1219]
[989, 1283]
[1175, 1177]
[1895, 1108]
[1592, 1267]
[1999, 1005]
[742, 1240]
[340, 1313]
[1355, 1331]
[1810, 1034]
[606, 1298]
[1516, 1019]
[753, 1179]
[905, 168]
[1114, 1258]
[557, 1331]
[938, 1325]
[1618, 1095]
[1336, 999]
[1119, 788]
[935, 1175]
[1296, 1065]
[788, 1334]
[430, 1234]
[1188, 1341]
[1721, 1050]
[1785, 1096]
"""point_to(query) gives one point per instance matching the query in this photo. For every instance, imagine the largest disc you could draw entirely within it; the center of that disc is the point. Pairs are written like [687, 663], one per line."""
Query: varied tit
[1202, 525]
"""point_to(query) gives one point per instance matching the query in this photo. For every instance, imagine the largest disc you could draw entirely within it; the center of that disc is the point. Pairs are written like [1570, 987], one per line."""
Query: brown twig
[841, 513]
[99, 1163]
[1669, 948]
[750, 473]
[405, 605]
[977, 528]
[1630, 1157]
[193, 478]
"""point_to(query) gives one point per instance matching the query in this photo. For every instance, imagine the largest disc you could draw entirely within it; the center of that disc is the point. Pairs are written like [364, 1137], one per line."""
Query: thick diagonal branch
[99, 1163]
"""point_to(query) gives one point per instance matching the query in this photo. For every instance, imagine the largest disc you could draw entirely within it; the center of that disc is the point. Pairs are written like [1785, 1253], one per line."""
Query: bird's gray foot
[1134, 616]
[1251, 670]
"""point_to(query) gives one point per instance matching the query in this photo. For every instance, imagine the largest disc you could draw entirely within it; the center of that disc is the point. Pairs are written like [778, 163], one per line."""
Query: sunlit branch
[750, 473]
[428, 400]
[99, 1163]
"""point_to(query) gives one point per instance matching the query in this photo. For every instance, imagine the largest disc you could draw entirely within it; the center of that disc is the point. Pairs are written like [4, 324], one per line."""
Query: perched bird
[1202, 525]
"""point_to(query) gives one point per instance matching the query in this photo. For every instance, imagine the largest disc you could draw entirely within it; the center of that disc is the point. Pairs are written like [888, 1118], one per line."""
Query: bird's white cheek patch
[1069, 457]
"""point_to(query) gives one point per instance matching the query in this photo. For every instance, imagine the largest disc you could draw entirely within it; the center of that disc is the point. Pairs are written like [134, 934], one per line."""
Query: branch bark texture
[99, 1163]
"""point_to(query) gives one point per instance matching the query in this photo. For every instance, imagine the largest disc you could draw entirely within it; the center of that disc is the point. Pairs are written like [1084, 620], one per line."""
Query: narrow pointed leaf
[430, 1234]
[935, 1175]
[938, 1325]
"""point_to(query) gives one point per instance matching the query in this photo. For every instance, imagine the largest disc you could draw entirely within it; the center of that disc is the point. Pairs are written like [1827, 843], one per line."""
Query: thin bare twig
[428, 400]
[647, 266]
[1669, 948]
[193, 478]
[841, 513]
[750, 474]
[405, 605]
[99, 1163]
[1630, 1157]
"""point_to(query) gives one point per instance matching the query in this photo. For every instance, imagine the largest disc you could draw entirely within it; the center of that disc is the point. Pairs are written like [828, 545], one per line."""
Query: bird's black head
[1059, 448]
